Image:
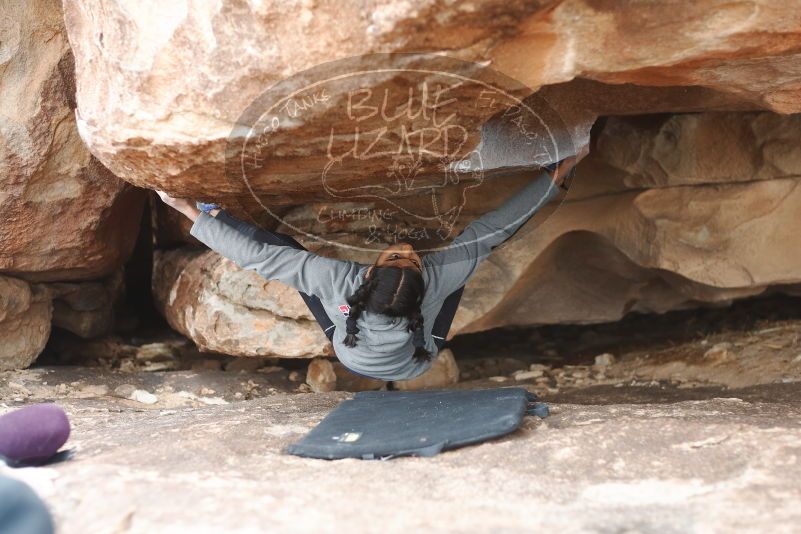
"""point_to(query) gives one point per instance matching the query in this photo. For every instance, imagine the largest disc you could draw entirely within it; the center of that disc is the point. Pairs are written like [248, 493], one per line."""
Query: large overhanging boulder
[64, 215]
[161, 90]
[67, 223]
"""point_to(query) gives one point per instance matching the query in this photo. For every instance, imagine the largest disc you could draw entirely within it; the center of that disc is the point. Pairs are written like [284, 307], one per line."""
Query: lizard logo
[395, 145]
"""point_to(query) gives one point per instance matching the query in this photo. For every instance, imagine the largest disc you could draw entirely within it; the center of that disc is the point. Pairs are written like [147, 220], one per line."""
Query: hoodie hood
[384, 348]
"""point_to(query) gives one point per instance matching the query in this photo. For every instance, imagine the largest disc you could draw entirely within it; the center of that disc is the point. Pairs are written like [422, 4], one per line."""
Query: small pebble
[526, 375]
[145, 397]
[155, 352]
[158, 366]
[605, 359]
[124, 391]
[718, 353]
[127, 365]
[498, 378]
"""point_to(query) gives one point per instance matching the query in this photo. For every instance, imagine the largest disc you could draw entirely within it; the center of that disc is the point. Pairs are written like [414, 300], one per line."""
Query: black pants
[442, 323]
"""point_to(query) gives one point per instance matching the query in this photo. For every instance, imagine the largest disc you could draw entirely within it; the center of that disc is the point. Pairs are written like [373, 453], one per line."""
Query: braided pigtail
[418, 336]
[358, 303]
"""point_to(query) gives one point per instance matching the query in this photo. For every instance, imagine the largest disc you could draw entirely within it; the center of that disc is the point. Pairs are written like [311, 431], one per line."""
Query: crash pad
[386, 424]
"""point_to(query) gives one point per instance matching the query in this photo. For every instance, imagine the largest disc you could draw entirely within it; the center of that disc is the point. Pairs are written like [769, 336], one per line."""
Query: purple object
[35, 432]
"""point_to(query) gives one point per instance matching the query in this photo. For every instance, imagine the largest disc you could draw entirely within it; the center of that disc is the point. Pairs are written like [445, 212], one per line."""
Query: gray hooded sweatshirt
[384, 349]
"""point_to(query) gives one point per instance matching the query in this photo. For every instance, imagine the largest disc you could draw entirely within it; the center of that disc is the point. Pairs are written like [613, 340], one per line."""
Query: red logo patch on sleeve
[345, 309]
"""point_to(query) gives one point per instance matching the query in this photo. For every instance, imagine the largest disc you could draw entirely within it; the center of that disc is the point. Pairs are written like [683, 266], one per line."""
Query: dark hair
[395, 292]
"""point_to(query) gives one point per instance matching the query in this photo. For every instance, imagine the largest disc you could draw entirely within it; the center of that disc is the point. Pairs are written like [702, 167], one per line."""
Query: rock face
[667, 212]
[28, 310]
[225, 309]
[25, 314]
[143, 76]
[65, 216]
[690, 195]
[86, 308]
[67, 222]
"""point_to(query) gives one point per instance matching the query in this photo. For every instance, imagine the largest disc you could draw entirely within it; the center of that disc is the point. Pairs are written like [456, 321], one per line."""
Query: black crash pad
[384, 424]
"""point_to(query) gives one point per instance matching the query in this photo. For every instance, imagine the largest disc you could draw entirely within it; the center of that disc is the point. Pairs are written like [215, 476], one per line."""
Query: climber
[386, 320]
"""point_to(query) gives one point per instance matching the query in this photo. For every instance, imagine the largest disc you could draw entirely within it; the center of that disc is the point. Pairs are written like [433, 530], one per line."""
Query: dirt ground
[688, 422]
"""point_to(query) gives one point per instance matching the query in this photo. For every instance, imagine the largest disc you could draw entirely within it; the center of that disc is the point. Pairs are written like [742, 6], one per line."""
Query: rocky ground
[689, 422]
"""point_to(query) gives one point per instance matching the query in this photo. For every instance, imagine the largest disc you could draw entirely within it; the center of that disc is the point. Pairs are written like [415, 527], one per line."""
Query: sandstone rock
[124, 391]
[719, 352]
[144, 397]
[650, 250]
[711, 43]
[695, 465]
[86, 308]
[605, 359]
[65, 216]
[232, 311]
[153, 367]
[25, 315]
[443, 372]
[722, 47]
[326, 375]
[527, 375]
[349, 381]
[671, 210]
[321, 376]
[155, 352]
[647, 152]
